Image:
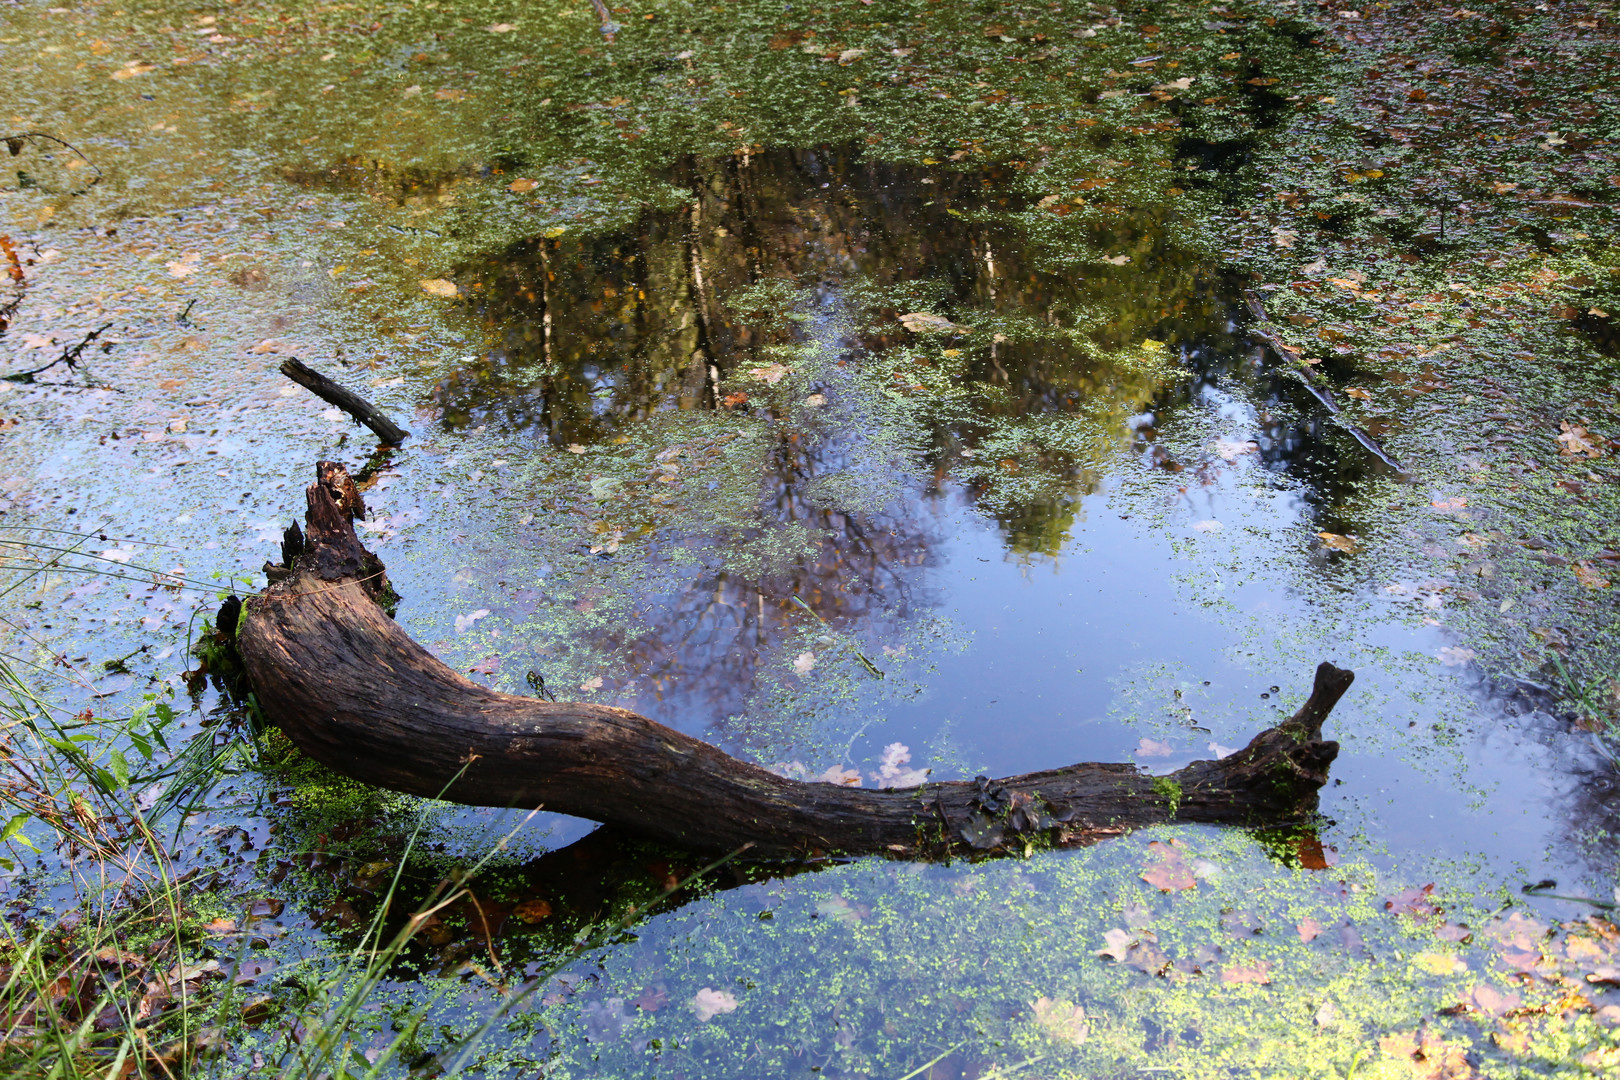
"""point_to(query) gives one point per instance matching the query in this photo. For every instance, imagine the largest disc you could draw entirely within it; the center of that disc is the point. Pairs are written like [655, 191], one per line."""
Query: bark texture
[344, 398]
[352, 690]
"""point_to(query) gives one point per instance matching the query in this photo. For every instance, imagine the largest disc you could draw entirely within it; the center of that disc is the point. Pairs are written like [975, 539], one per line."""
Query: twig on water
[70, 356]
[347, 400]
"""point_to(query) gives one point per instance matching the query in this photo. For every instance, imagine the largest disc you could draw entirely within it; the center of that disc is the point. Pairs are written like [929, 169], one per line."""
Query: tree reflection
[594, 339]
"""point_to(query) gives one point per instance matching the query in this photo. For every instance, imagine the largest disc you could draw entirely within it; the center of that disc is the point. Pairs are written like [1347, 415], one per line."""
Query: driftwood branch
[1314, 384]
[353, 691]
[345, 399]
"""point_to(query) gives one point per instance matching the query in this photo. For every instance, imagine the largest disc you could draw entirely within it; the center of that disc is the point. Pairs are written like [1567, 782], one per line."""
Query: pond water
[846, 460]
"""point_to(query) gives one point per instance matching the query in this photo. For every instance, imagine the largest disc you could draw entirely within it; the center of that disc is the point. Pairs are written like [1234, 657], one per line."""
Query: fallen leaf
[1451, 505]
[1259, 975]
[592, 683]
[575, 448]
[1589, 576]
[652, 999]
[1222, 751]
[837, 774]
[522, 184]
[1428, 1056]
[1119, 943]
[923, 322]
[1493, 1001]
[708, 1003]
[803, 663]
[815, 401]
[1116, 260]
[184, 266]
[1415, 901]
[1453, 656]
[1232, 449]
[450, 93]
[134, 68]
[1358, 393]
[532, 911]
[1061, 1020]
[1153, 748]
[1346, 544]
[1439, 963]
[1308, 929]
[464, 621]
[438, 287]
[850, 55]
[1168, 870]
[771, 374]
[502, 28]
[1577, 441]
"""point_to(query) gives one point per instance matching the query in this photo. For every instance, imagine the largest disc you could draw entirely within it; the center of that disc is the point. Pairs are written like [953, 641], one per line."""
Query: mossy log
[351, 689]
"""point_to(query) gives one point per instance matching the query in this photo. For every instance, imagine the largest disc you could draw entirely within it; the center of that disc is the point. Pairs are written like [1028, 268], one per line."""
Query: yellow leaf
[438, 287]
[1346, 544]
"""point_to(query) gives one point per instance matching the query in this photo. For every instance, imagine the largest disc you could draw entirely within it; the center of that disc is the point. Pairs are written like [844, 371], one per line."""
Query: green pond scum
[882, 390]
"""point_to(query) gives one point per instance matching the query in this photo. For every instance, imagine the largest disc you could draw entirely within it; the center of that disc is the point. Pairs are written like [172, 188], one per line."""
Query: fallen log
[328, 664]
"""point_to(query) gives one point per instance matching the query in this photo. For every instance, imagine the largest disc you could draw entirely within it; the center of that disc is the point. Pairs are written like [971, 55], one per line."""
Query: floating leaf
[1153, 748]
[1232, 449]
[708, 1003]
[1346, 544]
[1589, 576]
[804, 663]
[1168, 870]
[923, 322]
[1576, 441]
[1061, 1020]
[438, 287]
[464, 621]
[1257, 974]
[522, 184]
[1119, 943]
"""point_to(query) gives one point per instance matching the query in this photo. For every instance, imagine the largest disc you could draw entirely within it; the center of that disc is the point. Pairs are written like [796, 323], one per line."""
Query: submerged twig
[1322, 394]
[865, 660]
[70, 356]
[14, 143]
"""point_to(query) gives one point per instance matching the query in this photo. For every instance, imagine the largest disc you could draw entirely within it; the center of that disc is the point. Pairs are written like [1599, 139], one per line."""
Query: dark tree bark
[354, 692]
[347, 400]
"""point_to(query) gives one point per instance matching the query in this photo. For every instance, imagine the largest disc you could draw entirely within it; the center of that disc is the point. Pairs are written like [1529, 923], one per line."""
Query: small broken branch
[347, 400]
[70, 356]
[352, 690]
[1313, 384]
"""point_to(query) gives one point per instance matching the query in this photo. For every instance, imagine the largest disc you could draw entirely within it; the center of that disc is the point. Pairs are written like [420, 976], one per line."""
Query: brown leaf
[1493, 1001]
[1308, 930]
[1258, 974]
[1346, 544]
[1589, 576]
[522, 184]
[1575, 441]
[532, 911]
[1168, 870]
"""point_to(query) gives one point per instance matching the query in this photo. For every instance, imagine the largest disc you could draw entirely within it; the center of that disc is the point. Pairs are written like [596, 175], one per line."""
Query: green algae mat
[882, 391]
